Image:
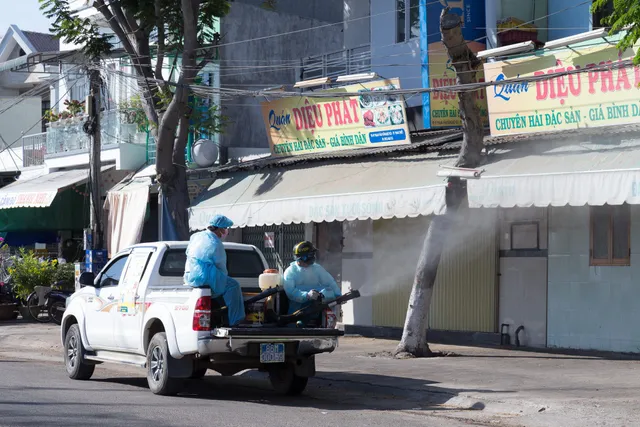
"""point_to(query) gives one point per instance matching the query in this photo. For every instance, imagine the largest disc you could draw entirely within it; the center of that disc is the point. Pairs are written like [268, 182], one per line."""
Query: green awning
[68, 211]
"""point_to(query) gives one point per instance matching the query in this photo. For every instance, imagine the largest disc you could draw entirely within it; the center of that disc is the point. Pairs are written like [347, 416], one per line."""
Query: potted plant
[132, 113]
[75, 108]
[50, 117]
[27, 272]
[65, 117]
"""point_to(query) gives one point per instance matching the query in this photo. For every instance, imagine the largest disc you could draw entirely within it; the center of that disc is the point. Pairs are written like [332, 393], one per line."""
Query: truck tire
[158, 375]
[74, 352]
[285, 381]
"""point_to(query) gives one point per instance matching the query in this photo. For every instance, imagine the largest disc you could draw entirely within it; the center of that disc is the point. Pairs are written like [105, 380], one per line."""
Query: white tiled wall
[590, 307]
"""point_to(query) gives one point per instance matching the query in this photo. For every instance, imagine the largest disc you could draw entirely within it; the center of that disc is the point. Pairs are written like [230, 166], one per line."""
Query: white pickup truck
[138, 311]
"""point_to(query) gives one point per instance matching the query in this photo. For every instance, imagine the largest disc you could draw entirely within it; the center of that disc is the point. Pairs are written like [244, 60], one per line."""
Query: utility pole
[92, 128]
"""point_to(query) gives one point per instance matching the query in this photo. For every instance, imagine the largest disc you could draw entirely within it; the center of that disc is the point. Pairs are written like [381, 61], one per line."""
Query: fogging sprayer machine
[315, 308]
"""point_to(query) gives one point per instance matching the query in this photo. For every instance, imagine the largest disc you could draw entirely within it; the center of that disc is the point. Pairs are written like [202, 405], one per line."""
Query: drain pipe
[520, 328]
[505, 339]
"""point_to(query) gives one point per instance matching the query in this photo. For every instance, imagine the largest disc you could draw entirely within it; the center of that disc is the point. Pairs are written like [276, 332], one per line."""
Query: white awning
[558, 175]
[380, 188]
[40, 191]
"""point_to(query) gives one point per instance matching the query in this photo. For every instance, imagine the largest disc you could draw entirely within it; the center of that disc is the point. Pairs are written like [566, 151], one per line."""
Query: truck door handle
[110, 297]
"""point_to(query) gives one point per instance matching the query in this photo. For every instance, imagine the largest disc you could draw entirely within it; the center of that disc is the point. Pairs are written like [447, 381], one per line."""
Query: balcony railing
[342, 62]
[34, 148]
[67, 137]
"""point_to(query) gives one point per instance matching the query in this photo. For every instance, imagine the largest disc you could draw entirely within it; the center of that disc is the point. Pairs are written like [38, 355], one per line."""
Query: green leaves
[28, 272]
[626, 13]
[133, 113]
[73, 29]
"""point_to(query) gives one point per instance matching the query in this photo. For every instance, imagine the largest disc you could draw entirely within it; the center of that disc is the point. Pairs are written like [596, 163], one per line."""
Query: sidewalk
[492, 386]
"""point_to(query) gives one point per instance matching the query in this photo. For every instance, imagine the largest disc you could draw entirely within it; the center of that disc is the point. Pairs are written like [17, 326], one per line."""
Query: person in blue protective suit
[206, 266]
[305, 280]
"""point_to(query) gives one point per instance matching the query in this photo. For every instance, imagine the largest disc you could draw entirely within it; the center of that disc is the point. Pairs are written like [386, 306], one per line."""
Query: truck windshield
[240, 263]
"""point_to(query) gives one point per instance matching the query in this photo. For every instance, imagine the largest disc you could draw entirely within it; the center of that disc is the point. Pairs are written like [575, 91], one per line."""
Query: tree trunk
[170, 162]
[465, 62]
[178, 194]
[414, 337]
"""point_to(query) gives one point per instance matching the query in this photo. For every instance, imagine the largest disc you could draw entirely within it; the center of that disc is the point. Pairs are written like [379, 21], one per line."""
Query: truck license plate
[272, 353]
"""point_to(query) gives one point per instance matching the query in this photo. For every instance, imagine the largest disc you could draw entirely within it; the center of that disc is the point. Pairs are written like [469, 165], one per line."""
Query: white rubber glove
[313, 295]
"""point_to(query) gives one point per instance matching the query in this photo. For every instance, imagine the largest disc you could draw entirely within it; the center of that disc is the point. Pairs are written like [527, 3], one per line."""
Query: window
[407, 20]
[111, 276]
[246, 264]
[610, 241]
[240, 263]
[79, 89]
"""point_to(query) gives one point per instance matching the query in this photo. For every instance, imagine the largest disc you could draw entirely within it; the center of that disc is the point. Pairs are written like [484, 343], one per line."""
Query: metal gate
[276, 242]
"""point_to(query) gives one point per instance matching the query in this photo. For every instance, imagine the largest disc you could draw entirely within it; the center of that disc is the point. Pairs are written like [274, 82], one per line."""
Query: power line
[446, 89]
[217, 46]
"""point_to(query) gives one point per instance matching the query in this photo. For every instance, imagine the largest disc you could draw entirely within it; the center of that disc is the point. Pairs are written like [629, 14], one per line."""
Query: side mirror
[87, 279]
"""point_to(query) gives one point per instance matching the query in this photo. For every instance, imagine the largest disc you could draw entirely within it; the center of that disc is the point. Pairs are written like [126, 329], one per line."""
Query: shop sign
[26, 200]
[573, 101]
[444, 106]
[307, 124]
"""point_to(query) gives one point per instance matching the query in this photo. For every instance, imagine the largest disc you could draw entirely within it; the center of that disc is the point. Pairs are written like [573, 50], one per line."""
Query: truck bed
[276, 332]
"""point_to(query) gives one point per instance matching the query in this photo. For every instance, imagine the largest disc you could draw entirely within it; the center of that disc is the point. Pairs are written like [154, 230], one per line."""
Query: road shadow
[19, 321]
[330, 391]
[510, 352]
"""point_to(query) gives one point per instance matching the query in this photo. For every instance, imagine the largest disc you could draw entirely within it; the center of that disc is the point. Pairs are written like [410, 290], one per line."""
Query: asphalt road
[40, 393]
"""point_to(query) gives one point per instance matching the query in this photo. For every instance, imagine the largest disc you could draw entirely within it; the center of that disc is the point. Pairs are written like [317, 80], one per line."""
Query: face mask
[224, 234]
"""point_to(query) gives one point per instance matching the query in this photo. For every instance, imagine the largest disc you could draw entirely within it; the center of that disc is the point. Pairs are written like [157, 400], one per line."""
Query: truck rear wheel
[285, 381]
[158, 375]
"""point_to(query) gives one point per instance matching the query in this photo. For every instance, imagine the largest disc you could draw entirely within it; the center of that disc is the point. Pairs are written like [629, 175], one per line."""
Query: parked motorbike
[9, 301]
[50, 304]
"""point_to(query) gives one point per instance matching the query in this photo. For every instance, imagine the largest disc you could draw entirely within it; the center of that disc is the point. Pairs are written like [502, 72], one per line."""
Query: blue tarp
[169, 232]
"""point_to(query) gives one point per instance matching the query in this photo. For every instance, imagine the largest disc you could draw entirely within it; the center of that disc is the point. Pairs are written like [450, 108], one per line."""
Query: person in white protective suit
[305, 280]
[207, 266]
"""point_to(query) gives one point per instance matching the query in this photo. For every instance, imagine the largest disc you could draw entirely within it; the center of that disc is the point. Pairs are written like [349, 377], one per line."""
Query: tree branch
[210, 52]
[151, 100]
[116, 27]
[117, 11]
[465, 63]
[190, 19]
[131, 20]
[161, 40]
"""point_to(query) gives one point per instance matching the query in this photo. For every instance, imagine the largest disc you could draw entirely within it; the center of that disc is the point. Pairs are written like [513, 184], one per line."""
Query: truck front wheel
[285, 381]
[158, 375]
[74, 352]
